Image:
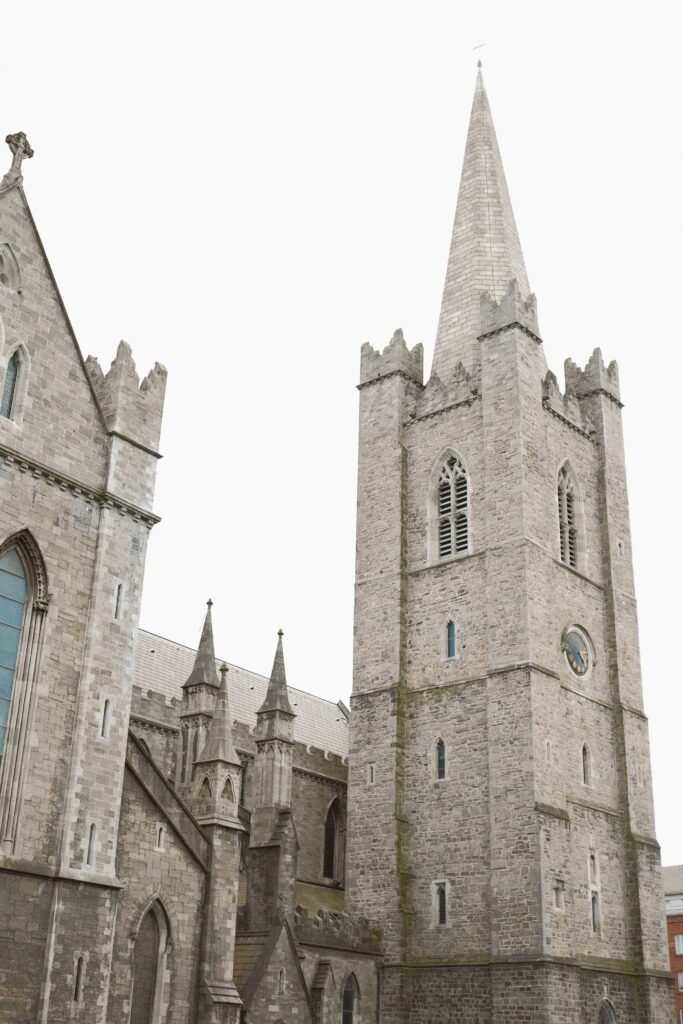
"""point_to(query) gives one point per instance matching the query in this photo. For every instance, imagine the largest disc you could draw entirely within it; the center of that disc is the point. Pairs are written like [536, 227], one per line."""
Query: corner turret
[131, 409]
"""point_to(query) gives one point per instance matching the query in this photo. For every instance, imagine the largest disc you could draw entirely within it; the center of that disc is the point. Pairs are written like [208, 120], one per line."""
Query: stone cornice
[317, 777]
[26, 464]
[470, 400]
[385, 376]
[581, 963]
[136, 444]
[508, 327]
[601, 391]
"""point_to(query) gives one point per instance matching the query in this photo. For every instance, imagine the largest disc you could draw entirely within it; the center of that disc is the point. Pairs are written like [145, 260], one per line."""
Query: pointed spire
[485, 251]
[219, 745]
[204, 669]
[277, 698]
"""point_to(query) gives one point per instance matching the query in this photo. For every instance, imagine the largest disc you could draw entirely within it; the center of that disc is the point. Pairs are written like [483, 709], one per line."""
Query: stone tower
[78, 454]
[501, 824]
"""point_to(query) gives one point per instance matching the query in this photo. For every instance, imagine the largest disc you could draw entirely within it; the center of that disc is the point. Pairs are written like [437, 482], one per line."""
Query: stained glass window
[12, 604]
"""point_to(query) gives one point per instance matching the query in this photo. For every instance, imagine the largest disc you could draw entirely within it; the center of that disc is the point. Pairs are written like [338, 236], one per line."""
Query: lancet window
[333, 846]
[568, 512]
[9, 391]
[453, 509]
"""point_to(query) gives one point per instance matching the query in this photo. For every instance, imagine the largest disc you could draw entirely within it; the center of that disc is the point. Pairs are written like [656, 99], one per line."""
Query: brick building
[673, 900]
[178, 846]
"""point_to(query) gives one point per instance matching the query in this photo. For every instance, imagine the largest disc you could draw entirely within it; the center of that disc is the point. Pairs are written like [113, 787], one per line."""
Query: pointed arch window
[450, 640]
[23, 605]
[453, 537]
[228, 790]
[152, 943]
[350, 998]
[9, 269]
[568, 513]
[9, 391]
[440, 760]
[333, 845]
[607, 1014]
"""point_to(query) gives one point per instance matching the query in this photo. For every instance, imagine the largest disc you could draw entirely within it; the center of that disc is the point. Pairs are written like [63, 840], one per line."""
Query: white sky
[247, 192]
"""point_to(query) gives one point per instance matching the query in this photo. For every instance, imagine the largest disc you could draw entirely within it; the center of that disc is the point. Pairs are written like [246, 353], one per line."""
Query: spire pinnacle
[204, 669]
[485, 252]
[277, 698]
[219, 745]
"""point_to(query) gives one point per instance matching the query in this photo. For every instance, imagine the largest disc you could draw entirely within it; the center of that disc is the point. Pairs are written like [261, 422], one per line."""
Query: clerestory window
[568, 513]
[453, 509]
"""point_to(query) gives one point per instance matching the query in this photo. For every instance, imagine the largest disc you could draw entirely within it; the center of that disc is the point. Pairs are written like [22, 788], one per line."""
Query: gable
[61, 424]
[275, 989]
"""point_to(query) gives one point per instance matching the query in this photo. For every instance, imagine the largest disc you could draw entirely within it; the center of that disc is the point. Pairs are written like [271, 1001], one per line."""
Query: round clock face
[577, 651]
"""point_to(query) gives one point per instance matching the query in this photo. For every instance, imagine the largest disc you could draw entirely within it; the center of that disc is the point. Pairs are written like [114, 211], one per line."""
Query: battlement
[438, 395]
[595, 377]
[565, 406]
[325, 928]
[395, 358]
[130, 408]
[511, 309]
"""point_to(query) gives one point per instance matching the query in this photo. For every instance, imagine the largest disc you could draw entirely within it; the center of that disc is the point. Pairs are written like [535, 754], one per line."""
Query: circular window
[577, 650]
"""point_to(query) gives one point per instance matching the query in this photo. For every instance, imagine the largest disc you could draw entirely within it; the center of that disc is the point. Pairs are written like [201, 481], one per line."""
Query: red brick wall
[674, 925]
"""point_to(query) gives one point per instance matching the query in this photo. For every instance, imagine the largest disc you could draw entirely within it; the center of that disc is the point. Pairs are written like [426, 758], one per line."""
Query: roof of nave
[672, 878]
[163, 666]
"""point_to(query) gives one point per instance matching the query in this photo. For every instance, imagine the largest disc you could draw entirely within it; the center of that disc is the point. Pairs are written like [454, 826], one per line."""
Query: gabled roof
[163, 666]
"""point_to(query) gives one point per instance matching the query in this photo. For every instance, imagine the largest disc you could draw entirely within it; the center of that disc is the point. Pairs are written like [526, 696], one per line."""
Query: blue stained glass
[12, 602]
[6, 677]
[450, 631]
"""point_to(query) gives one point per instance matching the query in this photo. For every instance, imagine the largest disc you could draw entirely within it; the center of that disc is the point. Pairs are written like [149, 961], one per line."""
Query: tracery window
[9, 391]
[567, 507]
[453, 509]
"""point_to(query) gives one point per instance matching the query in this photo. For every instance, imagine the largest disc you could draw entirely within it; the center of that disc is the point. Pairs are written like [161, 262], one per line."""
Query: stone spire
[219, 745]
[277, 698]
[204, 669]
[485, 254]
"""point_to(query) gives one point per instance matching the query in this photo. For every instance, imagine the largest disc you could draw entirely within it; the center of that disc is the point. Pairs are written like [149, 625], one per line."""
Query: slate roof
[163, 666]
[673, 880]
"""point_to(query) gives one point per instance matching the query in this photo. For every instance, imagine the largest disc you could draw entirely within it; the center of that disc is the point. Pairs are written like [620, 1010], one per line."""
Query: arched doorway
[149, 964]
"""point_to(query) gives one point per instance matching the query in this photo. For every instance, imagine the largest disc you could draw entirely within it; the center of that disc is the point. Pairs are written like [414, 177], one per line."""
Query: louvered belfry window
[566, 506]
[453, 500]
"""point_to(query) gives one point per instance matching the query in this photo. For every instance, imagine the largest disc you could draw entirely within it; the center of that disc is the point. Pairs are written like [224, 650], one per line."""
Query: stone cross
[20, 147]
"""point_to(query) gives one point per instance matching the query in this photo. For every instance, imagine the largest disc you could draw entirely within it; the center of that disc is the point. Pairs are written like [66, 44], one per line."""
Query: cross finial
[21, 148]
[209, 603]
[280, 633]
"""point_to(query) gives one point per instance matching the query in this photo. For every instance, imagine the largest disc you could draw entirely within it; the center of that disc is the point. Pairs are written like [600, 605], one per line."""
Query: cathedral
[187, 842]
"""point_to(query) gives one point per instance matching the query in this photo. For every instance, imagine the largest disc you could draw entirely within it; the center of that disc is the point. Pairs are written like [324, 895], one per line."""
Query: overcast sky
[248, 192]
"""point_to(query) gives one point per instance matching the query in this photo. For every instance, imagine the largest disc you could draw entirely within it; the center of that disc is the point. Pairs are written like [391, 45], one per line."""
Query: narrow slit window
[595, 912]
[90, 859]
[586, 765]
[78, 981]
[441, 906]
[10, 389]
[440, 760]
[453, 509]
[450, 640]
[106, 712]
[161, 833]
[118, 603]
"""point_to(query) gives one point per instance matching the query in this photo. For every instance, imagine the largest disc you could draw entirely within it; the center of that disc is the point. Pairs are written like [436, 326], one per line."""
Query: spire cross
[21, 148]
[209, 603]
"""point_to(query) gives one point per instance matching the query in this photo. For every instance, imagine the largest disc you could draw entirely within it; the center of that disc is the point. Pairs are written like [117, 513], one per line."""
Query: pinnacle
[277, 698]
[485, 253]
[204, 668]
[219, 745]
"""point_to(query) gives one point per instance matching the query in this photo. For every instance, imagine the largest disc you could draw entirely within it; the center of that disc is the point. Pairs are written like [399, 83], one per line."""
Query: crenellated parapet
[514, 309]
[566, 406]
[395, 358]
[595, 378]
[439, 395]
[340, 931]
[130, 408]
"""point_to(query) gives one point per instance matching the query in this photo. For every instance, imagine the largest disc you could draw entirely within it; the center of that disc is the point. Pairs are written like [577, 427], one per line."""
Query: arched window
[450, 640]
[12, 607]
[78, 981]
[568, 512]
[452, 509]
[228, 790]
[9, 268]
[9, 391]
[333, 848]
[441, 903]
[440, 760]
[281, 981]
[350, 997]
[607, 1014]
[586, 765]
[205, 789]
[149, 966]
[23, 604]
